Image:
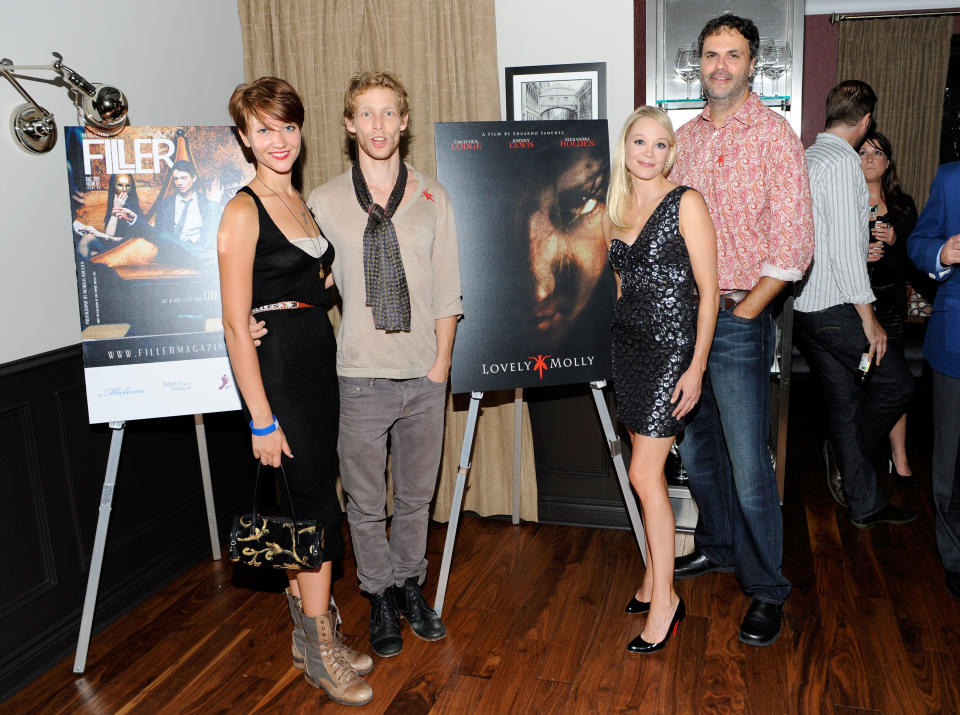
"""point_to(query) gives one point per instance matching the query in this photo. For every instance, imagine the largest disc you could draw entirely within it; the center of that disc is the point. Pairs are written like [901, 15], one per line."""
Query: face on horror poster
[537, 289]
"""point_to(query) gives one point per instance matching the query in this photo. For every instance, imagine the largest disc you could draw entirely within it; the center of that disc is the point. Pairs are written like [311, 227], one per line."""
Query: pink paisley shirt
[752, 173]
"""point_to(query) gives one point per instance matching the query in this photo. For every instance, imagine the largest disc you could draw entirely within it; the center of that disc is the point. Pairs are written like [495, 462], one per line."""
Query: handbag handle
[286, 489]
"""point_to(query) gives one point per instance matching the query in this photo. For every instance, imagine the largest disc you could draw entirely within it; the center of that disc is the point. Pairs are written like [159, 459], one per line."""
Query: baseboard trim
[60, 639]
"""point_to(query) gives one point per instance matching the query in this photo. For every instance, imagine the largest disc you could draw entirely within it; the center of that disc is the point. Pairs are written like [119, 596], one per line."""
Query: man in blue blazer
[934, 246]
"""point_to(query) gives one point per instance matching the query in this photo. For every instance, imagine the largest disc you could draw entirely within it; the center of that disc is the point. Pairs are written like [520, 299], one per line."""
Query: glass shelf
[672, 25]
[779, 101]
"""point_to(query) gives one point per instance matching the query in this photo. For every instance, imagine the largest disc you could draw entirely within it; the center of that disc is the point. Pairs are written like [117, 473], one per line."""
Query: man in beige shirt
[397, 270]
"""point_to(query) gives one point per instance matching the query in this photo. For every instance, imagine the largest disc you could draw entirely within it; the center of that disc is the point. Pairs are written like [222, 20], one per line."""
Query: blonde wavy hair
[620, 191]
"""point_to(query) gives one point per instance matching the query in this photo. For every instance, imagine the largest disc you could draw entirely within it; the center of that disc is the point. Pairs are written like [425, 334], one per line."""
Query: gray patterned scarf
[386, 281]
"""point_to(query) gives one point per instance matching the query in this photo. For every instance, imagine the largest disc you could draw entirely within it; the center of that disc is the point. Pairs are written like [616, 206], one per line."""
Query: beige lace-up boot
[360, 662]
[325, 665]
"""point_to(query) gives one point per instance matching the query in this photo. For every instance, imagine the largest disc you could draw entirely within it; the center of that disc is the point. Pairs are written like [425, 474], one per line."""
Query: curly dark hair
[893, 193]
[732, 22]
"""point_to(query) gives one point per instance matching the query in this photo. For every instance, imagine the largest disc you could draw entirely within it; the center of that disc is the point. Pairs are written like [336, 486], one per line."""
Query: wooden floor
[536, 624]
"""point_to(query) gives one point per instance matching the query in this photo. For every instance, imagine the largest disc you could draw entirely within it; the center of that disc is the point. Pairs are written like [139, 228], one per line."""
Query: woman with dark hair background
[893, 216]
[122, 193]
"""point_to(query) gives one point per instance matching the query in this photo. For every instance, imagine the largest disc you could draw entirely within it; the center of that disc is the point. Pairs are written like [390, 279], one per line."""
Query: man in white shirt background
[835, 315]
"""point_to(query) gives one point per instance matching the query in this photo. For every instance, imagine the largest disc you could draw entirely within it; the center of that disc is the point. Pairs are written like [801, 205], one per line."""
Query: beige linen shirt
[427, 236]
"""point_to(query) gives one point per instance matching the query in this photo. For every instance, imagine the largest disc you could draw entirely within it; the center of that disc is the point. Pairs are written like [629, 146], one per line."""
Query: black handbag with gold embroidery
[276, 541]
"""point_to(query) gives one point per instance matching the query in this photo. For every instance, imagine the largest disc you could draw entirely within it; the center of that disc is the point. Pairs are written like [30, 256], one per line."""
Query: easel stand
[464, 466]
[103, 521]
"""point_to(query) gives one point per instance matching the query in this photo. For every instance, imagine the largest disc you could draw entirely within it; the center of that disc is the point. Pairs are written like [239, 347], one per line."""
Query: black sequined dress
[298, 368]
[654, 322]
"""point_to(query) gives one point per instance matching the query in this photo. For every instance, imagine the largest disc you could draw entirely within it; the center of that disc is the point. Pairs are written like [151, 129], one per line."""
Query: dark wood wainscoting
[51, 476]
[576, 481]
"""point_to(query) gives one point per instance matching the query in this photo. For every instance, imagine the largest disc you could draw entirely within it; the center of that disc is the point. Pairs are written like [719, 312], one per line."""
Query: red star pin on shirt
[428, 196]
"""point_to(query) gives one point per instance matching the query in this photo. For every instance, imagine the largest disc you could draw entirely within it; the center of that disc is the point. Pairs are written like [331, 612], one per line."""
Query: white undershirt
[310, 245]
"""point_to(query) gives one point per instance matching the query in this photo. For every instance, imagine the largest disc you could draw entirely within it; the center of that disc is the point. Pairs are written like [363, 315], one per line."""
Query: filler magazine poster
[538, 292]
[145, 209]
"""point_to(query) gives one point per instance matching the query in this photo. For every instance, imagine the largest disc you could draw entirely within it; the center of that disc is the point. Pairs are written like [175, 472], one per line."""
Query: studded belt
[282, 305]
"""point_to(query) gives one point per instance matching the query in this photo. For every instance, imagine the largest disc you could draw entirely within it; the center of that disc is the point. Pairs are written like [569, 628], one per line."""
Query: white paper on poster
[160, 389]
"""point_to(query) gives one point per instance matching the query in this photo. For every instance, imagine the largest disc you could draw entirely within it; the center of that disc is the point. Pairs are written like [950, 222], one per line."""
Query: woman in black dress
[663, 248]
[895, 216]
[274, 260]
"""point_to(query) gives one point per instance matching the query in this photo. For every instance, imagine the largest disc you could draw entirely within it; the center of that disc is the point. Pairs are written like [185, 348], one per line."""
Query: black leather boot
[385, 636]
[424, 621]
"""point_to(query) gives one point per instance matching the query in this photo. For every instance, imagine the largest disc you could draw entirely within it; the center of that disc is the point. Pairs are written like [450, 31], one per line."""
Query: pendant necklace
[306, 231]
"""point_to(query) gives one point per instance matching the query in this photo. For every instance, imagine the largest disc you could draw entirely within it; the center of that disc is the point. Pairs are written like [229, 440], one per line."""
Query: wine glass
[764, 50]
[695, 50]
[687, 65]
[779, 61]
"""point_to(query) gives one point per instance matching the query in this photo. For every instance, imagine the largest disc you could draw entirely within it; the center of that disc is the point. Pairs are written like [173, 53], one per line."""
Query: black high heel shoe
[638, 645]
[636, 606]
[905, 480]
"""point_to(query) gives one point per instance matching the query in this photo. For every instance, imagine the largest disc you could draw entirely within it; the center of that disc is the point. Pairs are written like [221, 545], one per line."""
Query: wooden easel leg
[207, 486]
[616, 454]
[517, 450]
[462, 470]
[99, 542]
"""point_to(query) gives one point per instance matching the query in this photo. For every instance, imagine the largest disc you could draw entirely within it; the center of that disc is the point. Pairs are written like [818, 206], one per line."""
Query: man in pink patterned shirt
[750, 167]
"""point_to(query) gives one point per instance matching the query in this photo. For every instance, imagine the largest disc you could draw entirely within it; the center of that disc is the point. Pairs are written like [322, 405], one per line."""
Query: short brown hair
[849, 102]
[267, 97]
[362, 81]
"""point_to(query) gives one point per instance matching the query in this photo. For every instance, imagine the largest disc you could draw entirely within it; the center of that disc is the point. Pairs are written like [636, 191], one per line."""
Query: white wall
[176, 60]
[825, 7]
[550, 32]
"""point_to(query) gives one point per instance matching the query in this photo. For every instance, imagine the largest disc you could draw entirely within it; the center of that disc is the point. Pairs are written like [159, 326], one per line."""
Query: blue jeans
[946, 479]
[726, 454]
[860, 418]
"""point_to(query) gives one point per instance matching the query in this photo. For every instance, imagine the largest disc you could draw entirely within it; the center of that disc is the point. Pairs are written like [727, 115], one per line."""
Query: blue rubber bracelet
[265, 430]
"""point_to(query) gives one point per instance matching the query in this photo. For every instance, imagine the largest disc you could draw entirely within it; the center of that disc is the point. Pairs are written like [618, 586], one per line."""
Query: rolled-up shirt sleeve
[446, 262]
[791, 235]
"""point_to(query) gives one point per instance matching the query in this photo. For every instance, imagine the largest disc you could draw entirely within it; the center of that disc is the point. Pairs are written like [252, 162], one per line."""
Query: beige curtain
[445, 53]
[905, 61]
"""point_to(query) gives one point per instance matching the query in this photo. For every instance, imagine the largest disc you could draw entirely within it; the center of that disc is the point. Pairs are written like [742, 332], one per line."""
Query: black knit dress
[654, 322]
[298, 368]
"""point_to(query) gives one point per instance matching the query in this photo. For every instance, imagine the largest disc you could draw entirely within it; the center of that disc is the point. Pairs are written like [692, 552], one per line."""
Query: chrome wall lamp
[101, 108]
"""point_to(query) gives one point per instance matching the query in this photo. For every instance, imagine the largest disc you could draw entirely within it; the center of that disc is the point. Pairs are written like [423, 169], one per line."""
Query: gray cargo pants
[411, 413]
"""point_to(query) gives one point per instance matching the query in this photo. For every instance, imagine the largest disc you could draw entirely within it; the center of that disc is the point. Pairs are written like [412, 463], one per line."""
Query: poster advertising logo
[145, 207]
[538, 292]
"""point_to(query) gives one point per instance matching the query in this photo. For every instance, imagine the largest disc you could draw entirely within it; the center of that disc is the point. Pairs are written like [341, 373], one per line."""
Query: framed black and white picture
[572, 91]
